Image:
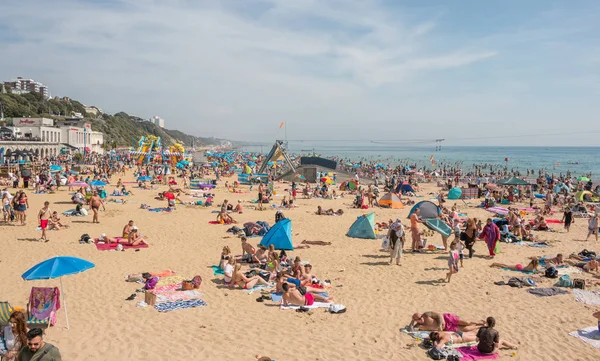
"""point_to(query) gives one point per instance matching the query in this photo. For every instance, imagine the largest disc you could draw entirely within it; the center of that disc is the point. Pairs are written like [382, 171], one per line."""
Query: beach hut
[428, 210]
[390, 200]
[363, 227]
[280, 236]
[455, 193]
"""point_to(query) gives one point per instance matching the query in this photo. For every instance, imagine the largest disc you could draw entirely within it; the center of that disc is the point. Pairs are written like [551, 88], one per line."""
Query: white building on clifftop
[158, 121]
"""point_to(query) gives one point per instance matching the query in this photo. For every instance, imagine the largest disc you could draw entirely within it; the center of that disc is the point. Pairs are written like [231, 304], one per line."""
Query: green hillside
[120, 129]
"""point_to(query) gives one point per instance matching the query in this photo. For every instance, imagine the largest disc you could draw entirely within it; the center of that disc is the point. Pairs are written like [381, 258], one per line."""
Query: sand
[380, 298]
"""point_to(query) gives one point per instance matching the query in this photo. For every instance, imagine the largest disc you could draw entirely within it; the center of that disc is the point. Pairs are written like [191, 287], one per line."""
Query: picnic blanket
[589, 335]
[277, 297]
[111, 246]
[587, 297]
[179, 305]
[174, 296]
[217, 271]
[311, 307]
[549, 291]
[471, 353]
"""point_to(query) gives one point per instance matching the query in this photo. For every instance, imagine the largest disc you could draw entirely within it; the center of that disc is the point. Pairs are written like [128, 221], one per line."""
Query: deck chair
[42, 306]
[5, 311]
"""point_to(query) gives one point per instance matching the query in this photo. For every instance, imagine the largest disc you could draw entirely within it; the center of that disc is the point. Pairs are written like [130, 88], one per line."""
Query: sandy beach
[380, 298]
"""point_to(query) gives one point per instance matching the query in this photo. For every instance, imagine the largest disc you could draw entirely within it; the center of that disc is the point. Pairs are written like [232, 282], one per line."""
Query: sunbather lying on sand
[329, 212]
[295, 297]
[532, 266]
[589, 266]
[240, 279]
[433, 321]
[282, 278]
[108, 240]
[440, 339]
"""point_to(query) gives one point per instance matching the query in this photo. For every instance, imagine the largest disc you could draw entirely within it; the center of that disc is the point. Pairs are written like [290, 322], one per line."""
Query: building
[93, 110]
[80, 136]
[24, 86]
[39, 129]
[158, 121]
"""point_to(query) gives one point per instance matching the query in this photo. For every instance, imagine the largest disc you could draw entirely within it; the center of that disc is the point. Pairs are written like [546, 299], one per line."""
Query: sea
[554, 160]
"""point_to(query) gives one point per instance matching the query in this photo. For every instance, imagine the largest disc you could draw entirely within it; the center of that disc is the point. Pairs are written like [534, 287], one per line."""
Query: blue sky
[331, 69]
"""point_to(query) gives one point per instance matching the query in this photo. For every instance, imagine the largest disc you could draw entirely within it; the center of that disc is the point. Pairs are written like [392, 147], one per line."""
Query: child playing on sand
[452, 261]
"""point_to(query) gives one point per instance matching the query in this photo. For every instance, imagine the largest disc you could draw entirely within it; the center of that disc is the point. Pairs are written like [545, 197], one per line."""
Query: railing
[13, 139]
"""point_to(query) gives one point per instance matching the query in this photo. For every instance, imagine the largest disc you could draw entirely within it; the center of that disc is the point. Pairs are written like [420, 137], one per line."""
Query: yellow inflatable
[180, 150]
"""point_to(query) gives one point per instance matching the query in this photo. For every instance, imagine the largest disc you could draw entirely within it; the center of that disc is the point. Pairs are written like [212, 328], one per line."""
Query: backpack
[579, 283]
[85, 238]
[436, 353]
[551, 272]
[565, 281]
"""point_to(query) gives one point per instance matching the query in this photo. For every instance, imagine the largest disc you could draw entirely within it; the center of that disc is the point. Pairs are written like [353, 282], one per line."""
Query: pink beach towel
[121, 241]
[471, 353]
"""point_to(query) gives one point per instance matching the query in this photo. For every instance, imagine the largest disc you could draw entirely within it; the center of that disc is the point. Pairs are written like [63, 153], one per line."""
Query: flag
[432, 161]
[281, 125]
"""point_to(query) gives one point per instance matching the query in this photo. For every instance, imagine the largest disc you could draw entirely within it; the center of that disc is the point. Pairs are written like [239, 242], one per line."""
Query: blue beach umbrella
[58, 267]
[97, 183]
[55, 168]
[144, 178]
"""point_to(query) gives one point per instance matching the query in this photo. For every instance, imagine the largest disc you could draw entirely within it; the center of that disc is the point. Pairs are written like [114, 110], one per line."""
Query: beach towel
[175, 295]
[538, 244]
[215, 222]
[497, 210]
[587, 297]
[112, 246]
[165, 273]
[568, 270]
[556, 221]
[471, 353]
[417, 335]
[550, 291]
[311, 307]
[157, 210]
[178, 305]
[277, 297]
[514, 270]
[217, 271]
[258, 288]
[43, 303]
[589, 335]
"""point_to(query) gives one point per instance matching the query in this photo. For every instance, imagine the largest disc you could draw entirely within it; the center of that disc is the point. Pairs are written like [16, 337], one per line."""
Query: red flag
[281, 125]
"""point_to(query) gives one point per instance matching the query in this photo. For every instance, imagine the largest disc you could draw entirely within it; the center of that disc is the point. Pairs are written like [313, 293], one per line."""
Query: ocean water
[552, 159]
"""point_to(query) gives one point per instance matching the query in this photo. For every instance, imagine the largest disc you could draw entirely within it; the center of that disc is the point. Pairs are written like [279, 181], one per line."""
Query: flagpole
[286, 142]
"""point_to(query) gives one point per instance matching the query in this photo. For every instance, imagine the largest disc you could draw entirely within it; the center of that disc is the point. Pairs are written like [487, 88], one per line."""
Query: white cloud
[208, 65]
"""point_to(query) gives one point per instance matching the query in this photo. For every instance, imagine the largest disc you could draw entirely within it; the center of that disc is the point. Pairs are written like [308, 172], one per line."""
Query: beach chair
[5, 311]
[42, 306]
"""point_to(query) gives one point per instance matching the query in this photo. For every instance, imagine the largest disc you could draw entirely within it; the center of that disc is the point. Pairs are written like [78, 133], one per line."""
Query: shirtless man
[127, 229]
[432, 321]
[260, 256]
[588, 266]
[261, 192]
[293, 296]
[247, 251]
[414, 230]
[281, 278]
[95, 203]
[44, 216]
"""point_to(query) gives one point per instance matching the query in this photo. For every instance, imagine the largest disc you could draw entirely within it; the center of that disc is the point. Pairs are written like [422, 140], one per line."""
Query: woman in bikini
[134, 237]
[532, 266]
[440, 339]
[240, 279]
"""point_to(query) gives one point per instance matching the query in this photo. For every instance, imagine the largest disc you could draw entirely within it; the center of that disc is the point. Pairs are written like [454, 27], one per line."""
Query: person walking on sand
[95, 203]
[414, 230]
[396, 236]
[261, 191]
[491, 234]
[593, 227]
[567, 218]
[452, 261]
[44, 216]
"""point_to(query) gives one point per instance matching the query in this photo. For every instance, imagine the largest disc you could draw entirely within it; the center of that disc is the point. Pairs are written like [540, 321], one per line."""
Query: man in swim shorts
[44, 216]
[292, 295]
[433, 321]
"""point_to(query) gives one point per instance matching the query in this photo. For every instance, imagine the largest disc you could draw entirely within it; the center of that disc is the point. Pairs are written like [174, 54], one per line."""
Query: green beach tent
[363, 227]
[455, 193]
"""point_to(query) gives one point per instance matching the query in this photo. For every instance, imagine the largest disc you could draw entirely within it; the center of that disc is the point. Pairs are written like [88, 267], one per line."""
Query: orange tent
[390, 200]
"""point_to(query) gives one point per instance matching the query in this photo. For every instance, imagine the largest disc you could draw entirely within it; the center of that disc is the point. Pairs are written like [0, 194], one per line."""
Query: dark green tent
[514, 181]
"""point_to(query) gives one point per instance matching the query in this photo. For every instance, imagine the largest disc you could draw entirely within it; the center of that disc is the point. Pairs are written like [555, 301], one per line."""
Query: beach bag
[436, 354]
[385, 244]
[551, 272]
[85, 238]
[497, 248]
[187, 286]
[565, 281]
[335, 308]
[83, 211]
[579, 283]
[453, 358]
